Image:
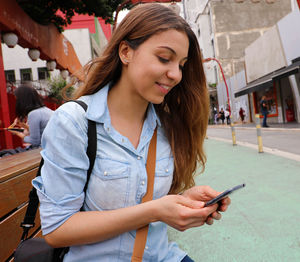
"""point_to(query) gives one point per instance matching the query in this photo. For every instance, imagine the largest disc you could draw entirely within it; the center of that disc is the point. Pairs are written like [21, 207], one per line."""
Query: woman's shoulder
[72, 111]
[40, 110]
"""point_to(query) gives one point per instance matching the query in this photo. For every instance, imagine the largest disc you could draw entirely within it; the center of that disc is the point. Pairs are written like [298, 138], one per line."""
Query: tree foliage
[56, 86]
[45, 12]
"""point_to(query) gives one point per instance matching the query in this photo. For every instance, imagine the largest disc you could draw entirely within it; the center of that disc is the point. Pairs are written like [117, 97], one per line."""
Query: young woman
[150, 76]
[32, 115]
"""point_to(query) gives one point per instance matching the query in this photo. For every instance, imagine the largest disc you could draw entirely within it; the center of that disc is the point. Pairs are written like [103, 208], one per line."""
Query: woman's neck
[127, 112]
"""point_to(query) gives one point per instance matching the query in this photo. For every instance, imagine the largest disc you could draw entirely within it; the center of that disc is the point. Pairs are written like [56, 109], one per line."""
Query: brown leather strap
[141, 233]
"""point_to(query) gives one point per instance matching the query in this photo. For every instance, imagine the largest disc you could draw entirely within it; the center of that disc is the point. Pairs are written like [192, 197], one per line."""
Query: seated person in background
[32, 115]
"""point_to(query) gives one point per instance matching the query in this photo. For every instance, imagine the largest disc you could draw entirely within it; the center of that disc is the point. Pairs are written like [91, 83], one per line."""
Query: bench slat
[13, 165]
[15, 191]
[11, 232]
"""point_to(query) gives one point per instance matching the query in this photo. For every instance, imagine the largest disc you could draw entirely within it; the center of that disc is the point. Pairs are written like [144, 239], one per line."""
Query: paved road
[262, 223]
[287, 140]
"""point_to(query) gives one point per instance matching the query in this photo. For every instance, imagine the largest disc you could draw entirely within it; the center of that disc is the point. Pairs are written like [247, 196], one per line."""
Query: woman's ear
[125, 53]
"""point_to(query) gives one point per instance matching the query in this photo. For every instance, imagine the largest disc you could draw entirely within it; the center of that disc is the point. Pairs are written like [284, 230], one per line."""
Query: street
[283, 139]
[262, 222]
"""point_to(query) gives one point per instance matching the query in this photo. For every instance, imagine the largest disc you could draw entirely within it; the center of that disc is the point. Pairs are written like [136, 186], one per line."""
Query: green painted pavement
[263, 220]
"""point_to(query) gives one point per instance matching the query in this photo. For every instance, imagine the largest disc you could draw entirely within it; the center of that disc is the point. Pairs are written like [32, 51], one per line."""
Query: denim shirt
[118, 180]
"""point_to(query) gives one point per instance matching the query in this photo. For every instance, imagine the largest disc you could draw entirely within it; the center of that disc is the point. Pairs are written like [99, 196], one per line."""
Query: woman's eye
[163, 60]
[181, 67]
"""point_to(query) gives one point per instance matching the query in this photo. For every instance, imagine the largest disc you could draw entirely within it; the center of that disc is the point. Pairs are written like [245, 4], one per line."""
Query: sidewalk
[262, 223]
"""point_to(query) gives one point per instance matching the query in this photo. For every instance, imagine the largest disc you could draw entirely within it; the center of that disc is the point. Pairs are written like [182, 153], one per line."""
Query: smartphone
[223, 195]
[13, 129]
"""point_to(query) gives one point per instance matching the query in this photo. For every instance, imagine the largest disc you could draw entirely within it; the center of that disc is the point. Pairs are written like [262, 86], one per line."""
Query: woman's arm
[94, 226]
[34, 128]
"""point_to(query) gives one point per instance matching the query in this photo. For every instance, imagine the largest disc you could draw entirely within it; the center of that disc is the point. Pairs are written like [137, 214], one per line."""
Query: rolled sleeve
[64, 172]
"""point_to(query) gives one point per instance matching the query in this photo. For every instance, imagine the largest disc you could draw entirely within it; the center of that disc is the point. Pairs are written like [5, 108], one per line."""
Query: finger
[211, 193]
[191, 203]
[209, 221]
[216, 215]
[224, 204]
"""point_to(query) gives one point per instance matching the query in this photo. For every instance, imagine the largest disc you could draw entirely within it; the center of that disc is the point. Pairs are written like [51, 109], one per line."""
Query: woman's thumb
[192, 203]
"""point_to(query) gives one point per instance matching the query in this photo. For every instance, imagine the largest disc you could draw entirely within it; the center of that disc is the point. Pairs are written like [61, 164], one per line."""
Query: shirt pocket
[163, 177]
[109, 184]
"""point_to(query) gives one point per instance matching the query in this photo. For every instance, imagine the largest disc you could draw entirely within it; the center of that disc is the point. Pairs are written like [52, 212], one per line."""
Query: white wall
[234, 83]
[17, 58]
[80, 39]
[264, 55]
[289, 30]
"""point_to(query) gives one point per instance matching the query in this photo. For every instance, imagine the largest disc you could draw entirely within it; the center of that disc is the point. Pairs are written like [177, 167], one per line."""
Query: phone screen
[223, 195]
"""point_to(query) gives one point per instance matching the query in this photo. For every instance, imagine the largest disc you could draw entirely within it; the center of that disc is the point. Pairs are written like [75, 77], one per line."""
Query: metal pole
[212, 58]
[232, 131]
[258, 129]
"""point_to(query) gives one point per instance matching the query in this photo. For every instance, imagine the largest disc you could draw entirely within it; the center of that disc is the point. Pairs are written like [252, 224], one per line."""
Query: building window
[10, 76]
[26, 74]
[43, 73]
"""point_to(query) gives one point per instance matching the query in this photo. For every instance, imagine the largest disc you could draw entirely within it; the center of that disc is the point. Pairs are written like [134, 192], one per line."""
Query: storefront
[277, 89]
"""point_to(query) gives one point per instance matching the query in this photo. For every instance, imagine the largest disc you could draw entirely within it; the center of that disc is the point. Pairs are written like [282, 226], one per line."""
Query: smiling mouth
[164, 88]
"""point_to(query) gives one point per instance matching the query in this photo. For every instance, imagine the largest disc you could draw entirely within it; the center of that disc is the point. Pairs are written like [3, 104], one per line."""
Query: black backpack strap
[92, 143]
[33, 204]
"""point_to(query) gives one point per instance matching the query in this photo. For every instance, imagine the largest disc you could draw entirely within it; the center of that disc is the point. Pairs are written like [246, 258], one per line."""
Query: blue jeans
[265, 114]
[187, 259]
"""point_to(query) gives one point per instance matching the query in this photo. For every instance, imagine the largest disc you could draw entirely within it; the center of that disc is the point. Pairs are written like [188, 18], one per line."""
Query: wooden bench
[16, 173]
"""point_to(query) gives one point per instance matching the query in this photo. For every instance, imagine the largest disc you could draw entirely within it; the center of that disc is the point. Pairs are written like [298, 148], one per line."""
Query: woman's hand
[19, 124]
[206, 193]
[183, 212]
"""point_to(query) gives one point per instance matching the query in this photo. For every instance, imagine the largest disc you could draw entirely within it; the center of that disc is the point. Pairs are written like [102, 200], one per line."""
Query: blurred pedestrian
[215, 113]
[32, 115]
[242, 114]
[264, 110]
[222, 115]
[227, 116]
[150, 77]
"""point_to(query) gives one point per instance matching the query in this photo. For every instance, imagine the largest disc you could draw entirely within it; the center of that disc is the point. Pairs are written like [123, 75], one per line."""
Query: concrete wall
[236, 25]
[265, 55]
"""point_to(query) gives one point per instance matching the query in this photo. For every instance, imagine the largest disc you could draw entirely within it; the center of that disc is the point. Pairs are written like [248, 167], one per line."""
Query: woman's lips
[164, 88]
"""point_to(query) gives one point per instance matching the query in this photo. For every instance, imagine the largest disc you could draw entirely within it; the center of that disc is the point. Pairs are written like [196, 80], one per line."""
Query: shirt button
[139, 158]
[105, 173]
[167, 170]
[146, 247]
[143, 182]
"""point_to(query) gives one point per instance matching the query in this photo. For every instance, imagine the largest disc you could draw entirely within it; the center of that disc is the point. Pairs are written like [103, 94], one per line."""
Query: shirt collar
[98, 109]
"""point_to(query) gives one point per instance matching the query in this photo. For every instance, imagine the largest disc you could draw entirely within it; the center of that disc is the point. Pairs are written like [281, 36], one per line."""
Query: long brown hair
[184, 112]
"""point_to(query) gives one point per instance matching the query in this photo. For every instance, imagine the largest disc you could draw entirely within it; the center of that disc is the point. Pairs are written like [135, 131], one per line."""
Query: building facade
[224, 30]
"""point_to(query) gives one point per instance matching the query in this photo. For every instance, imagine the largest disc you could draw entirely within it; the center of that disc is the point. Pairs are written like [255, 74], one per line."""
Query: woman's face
[155, 67]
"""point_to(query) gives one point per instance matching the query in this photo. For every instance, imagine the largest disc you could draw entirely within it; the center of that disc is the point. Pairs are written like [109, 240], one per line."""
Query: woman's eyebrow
[172, 51]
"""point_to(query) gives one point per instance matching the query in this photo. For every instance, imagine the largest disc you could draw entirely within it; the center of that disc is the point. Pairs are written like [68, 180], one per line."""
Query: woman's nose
[175, 73]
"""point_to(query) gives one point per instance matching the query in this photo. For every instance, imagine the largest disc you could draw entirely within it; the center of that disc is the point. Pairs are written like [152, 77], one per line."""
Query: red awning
[52, 44]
